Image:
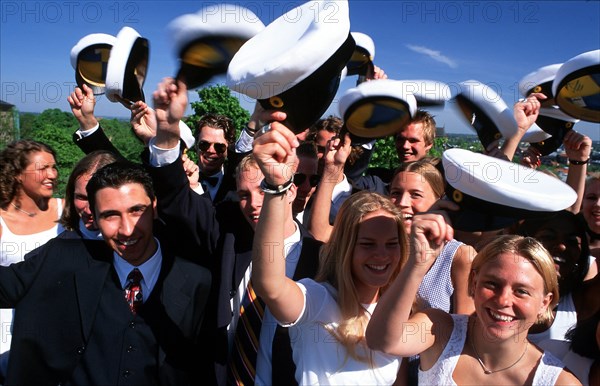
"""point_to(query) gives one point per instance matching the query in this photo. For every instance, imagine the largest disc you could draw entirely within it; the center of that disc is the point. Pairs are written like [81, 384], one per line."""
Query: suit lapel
[171, 282]
[90, 282]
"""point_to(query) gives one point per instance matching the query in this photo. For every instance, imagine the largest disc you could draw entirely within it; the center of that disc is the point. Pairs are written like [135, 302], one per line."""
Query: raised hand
[275, 153]
[83, 102]
[526, 112]
[192, 171]
[143, 121]
[429, 232]
[170, 101]
[577, 146]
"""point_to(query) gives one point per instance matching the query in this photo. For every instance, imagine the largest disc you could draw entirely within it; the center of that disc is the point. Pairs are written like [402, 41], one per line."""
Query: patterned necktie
[242, 366]
[133, 290]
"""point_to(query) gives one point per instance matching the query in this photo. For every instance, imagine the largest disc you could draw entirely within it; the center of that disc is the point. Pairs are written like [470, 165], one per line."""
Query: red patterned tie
[133, 290]
[242, 366]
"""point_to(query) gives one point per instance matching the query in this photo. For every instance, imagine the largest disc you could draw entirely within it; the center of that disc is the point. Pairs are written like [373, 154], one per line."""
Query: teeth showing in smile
[128, 242]
[407, 216]
[502, 318]
[377, 267]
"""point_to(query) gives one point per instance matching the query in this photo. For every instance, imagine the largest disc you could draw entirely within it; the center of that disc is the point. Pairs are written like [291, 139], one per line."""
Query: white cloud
[433, 54]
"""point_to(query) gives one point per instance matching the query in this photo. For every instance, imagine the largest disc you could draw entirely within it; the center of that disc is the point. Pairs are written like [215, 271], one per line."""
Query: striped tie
[242, 366]
[133, 290]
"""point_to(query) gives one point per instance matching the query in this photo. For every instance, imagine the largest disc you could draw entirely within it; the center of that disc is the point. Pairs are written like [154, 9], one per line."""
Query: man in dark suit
[215, 139]
[228, 230]
[120, 311]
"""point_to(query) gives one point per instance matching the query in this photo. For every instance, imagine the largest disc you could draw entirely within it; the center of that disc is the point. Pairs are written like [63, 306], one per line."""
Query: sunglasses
[313, 179]
[219, 147]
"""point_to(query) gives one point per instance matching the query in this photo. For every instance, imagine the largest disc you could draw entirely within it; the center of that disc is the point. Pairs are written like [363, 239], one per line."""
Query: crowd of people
[317, 277]
[281, 258]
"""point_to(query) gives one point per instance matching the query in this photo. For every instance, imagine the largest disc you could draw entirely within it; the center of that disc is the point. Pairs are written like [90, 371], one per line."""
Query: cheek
[80, 205]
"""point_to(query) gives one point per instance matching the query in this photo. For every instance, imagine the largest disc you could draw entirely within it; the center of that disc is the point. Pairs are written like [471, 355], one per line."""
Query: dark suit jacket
[56, 293]
[225, 235]
[95, 141]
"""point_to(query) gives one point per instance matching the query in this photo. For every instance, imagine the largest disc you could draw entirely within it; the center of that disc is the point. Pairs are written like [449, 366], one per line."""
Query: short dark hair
[332, 124]
[115, 175]
[307, 149]
[217, 121]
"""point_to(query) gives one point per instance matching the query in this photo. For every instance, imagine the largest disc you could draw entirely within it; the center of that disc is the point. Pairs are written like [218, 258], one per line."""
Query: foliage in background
[385, 155]
[218, 100]
[55, 128]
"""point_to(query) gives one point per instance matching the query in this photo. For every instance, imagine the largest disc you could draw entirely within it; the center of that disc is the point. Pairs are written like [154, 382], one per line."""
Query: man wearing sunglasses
[305, 179]
[215, 134]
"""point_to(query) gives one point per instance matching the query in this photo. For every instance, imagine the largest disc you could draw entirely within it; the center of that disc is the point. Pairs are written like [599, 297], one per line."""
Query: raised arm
[143, 122]
[276, 156]
[83, 102]
[579, 149]
[333, 173]
[189, 217]
[461, 268]
[392, 329]
[90, 136]
[526, 113]
[170, 102]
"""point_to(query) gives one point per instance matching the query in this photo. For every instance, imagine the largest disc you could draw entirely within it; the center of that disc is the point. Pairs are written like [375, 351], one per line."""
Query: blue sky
[495, 42]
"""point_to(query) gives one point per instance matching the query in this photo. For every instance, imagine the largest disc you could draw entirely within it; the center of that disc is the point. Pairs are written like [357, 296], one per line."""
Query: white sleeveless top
[546, 373]
[436, 289]
[13, 247]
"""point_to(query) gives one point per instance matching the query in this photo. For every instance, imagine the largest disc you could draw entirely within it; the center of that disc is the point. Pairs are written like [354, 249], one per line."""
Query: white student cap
[576, 87]
[485, 111]
[362, 58]
[294, 64]
[127, 66]
[206, 41]
[540, 80]
[494, 193]
[89, 58]
[377, 108]
[557, 124]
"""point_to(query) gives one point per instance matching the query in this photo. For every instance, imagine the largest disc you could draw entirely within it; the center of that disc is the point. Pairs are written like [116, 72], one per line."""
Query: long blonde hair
[336, 265]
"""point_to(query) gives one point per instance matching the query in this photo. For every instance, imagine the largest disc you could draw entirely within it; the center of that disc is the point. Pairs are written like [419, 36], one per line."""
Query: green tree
[55, 128]
[218, 100]
[123, 138]
[385, 155]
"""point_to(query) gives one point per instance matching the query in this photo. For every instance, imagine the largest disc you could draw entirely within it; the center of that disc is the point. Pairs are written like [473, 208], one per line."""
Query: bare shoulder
[567, 378]
[465, 254]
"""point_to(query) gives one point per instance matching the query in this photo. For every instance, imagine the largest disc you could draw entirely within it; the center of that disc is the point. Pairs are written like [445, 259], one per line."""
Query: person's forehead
[412, 130]
[211, 132]
[250, 175]
[127, 190]
[324, 135]
[39, 158]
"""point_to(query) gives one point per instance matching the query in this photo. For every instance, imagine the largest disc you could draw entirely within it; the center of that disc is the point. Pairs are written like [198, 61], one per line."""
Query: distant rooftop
[5, 104]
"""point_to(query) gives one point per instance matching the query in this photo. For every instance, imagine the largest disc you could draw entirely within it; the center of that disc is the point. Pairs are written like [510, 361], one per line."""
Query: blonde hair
[336, 266]
[595, 176]
[530, 249]
[426, 168]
